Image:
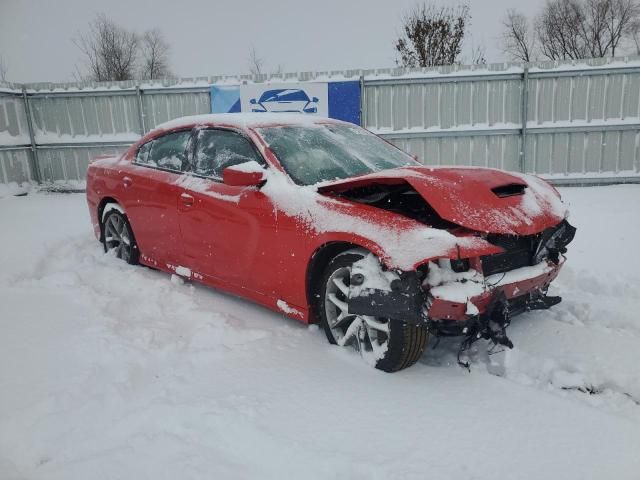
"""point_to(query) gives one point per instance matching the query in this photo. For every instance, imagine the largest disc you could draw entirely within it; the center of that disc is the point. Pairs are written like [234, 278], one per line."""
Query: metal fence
[572, 122]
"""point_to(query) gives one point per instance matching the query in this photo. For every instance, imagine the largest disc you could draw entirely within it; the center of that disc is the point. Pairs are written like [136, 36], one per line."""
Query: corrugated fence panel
[607, 152]
[496, 151]
[583, 98]
[13, 121]
[14, 166]
[580, 120]
[162, 107]
[442, 105]
[583, 118]
[70, 164]
[59, 119]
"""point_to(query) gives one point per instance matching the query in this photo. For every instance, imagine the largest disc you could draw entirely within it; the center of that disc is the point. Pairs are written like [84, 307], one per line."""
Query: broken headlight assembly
[554, 241]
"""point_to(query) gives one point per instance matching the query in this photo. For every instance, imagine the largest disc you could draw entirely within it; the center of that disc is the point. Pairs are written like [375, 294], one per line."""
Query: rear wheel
[118, 237]
[388, 345]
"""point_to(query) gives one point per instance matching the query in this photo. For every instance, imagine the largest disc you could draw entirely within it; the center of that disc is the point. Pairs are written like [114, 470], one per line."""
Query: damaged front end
[471, 297]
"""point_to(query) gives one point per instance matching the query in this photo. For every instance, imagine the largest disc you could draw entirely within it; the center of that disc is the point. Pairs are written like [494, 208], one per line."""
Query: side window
[143, 154]
[168, 151]
[219, 149]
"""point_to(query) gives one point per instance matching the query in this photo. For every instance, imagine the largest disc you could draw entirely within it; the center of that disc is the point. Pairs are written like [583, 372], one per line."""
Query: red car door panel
[150, 196]
[224, 227]
[225, 231]
[150, 203]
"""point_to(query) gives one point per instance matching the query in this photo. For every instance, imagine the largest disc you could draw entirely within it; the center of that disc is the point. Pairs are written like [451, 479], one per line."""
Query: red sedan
[326, 222]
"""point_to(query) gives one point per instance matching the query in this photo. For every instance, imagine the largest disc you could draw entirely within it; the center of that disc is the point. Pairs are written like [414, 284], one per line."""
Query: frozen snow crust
[111, 371]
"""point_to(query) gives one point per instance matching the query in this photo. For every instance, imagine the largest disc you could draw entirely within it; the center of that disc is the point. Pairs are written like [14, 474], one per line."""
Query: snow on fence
[573, 122]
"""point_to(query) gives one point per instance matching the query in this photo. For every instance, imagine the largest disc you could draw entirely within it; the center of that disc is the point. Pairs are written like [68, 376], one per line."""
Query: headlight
[554, 241]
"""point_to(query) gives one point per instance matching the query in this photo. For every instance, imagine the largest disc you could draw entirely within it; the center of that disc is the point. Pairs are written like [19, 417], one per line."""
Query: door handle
[186, 199]
[127, 181]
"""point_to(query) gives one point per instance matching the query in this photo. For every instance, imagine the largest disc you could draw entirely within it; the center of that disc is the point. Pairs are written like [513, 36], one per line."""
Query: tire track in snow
[142, 306]
[601, 303]
[577, 360]
[577, 363]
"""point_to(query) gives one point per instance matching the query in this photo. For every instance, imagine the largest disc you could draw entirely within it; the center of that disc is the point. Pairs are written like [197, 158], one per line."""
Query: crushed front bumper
[409, 302]
[518, 293]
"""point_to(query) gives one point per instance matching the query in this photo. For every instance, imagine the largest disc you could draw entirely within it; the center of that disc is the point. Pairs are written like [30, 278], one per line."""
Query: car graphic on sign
[285, 100]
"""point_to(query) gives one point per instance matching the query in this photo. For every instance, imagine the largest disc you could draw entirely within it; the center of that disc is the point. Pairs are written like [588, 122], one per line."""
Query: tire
[399, 347]
[117, 235]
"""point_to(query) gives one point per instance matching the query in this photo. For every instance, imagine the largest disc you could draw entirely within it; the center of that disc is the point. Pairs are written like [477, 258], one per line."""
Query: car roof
[246, 120]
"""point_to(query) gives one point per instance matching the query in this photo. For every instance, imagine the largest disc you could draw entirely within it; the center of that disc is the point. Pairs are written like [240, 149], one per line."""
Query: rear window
[167, 152]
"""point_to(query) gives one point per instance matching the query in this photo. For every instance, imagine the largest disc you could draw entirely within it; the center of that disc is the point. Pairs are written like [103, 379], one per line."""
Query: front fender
[458, 247]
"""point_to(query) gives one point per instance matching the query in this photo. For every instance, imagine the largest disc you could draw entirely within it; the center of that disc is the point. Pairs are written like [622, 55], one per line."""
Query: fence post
[35, 164]
[140, 110]
[524, 112]
[362, 101]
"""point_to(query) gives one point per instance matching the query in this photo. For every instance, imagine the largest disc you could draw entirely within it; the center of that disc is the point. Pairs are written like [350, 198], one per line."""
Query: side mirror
[315, 100]
[252, 101]
[248, 174]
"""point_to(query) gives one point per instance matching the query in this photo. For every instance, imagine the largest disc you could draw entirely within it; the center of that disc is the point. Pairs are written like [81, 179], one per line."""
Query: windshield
[312, 154]
[284, 95]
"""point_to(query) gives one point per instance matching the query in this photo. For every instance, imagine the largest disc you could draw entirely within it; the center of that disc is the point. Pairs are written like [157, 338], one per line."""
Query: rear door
[228, 231]
[152, 196]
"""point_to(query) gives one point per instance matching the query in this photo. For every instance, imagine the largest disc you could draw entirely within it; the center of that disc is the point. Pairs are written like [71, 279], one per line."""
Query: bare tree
[256, 63]
[155, 61]
[518, 37]
[110, 50]
[3, 70]
[621, 19]
[432, 35]
[479, 55]
[572, 29]
[635, 34]
[560, 30]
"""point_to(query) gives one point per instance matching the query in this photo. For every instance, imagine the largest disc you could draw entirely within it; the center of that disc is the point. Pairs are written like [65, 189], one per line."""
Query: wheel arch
[321, 256]
[101, 206]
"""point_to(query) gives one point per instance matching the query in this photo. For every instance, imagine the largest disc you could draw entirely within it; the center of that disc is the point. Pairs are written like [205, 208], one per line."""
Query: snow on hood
[465, 196]
[406, 243]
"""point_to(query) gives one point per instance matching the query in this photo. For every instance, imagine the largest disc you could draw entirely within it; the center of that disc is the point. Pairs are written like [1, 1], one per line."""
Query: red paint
[238, 178]
[231, 236]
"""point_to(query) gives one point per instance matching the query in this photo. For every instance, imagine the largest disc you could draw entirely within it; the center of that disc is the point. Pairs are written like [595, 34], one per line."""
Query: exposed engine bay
[401, 198]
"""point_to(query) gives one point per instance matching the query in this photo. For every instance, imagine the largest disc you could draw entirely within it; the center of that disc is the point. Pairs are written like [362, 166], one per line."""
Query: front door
[228, 231]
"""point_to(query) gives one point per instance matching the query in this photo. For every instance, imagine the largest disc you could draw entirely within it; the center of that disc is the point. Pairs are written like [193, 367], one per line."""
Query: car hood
[481, 199]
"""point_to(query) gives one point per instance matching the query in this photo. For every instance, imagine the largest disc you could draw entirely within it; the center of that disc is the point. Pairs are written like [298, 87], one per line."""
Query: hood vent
[509, 190]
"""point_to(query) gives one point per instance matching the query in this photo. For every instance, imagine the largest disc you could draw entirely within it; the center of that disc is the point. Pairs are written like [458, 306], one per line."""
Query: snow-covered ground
[115, 372]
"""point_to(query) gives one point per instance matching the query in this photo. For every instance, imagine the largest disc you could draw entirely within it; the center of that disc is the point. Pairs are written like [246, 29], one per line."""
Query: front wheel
[388, 345]
[118, 237]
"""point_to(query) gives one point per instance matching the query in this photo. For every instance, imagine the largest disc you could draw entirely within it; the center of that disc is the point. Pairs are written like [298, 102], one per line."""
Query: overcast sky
[210, 37]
